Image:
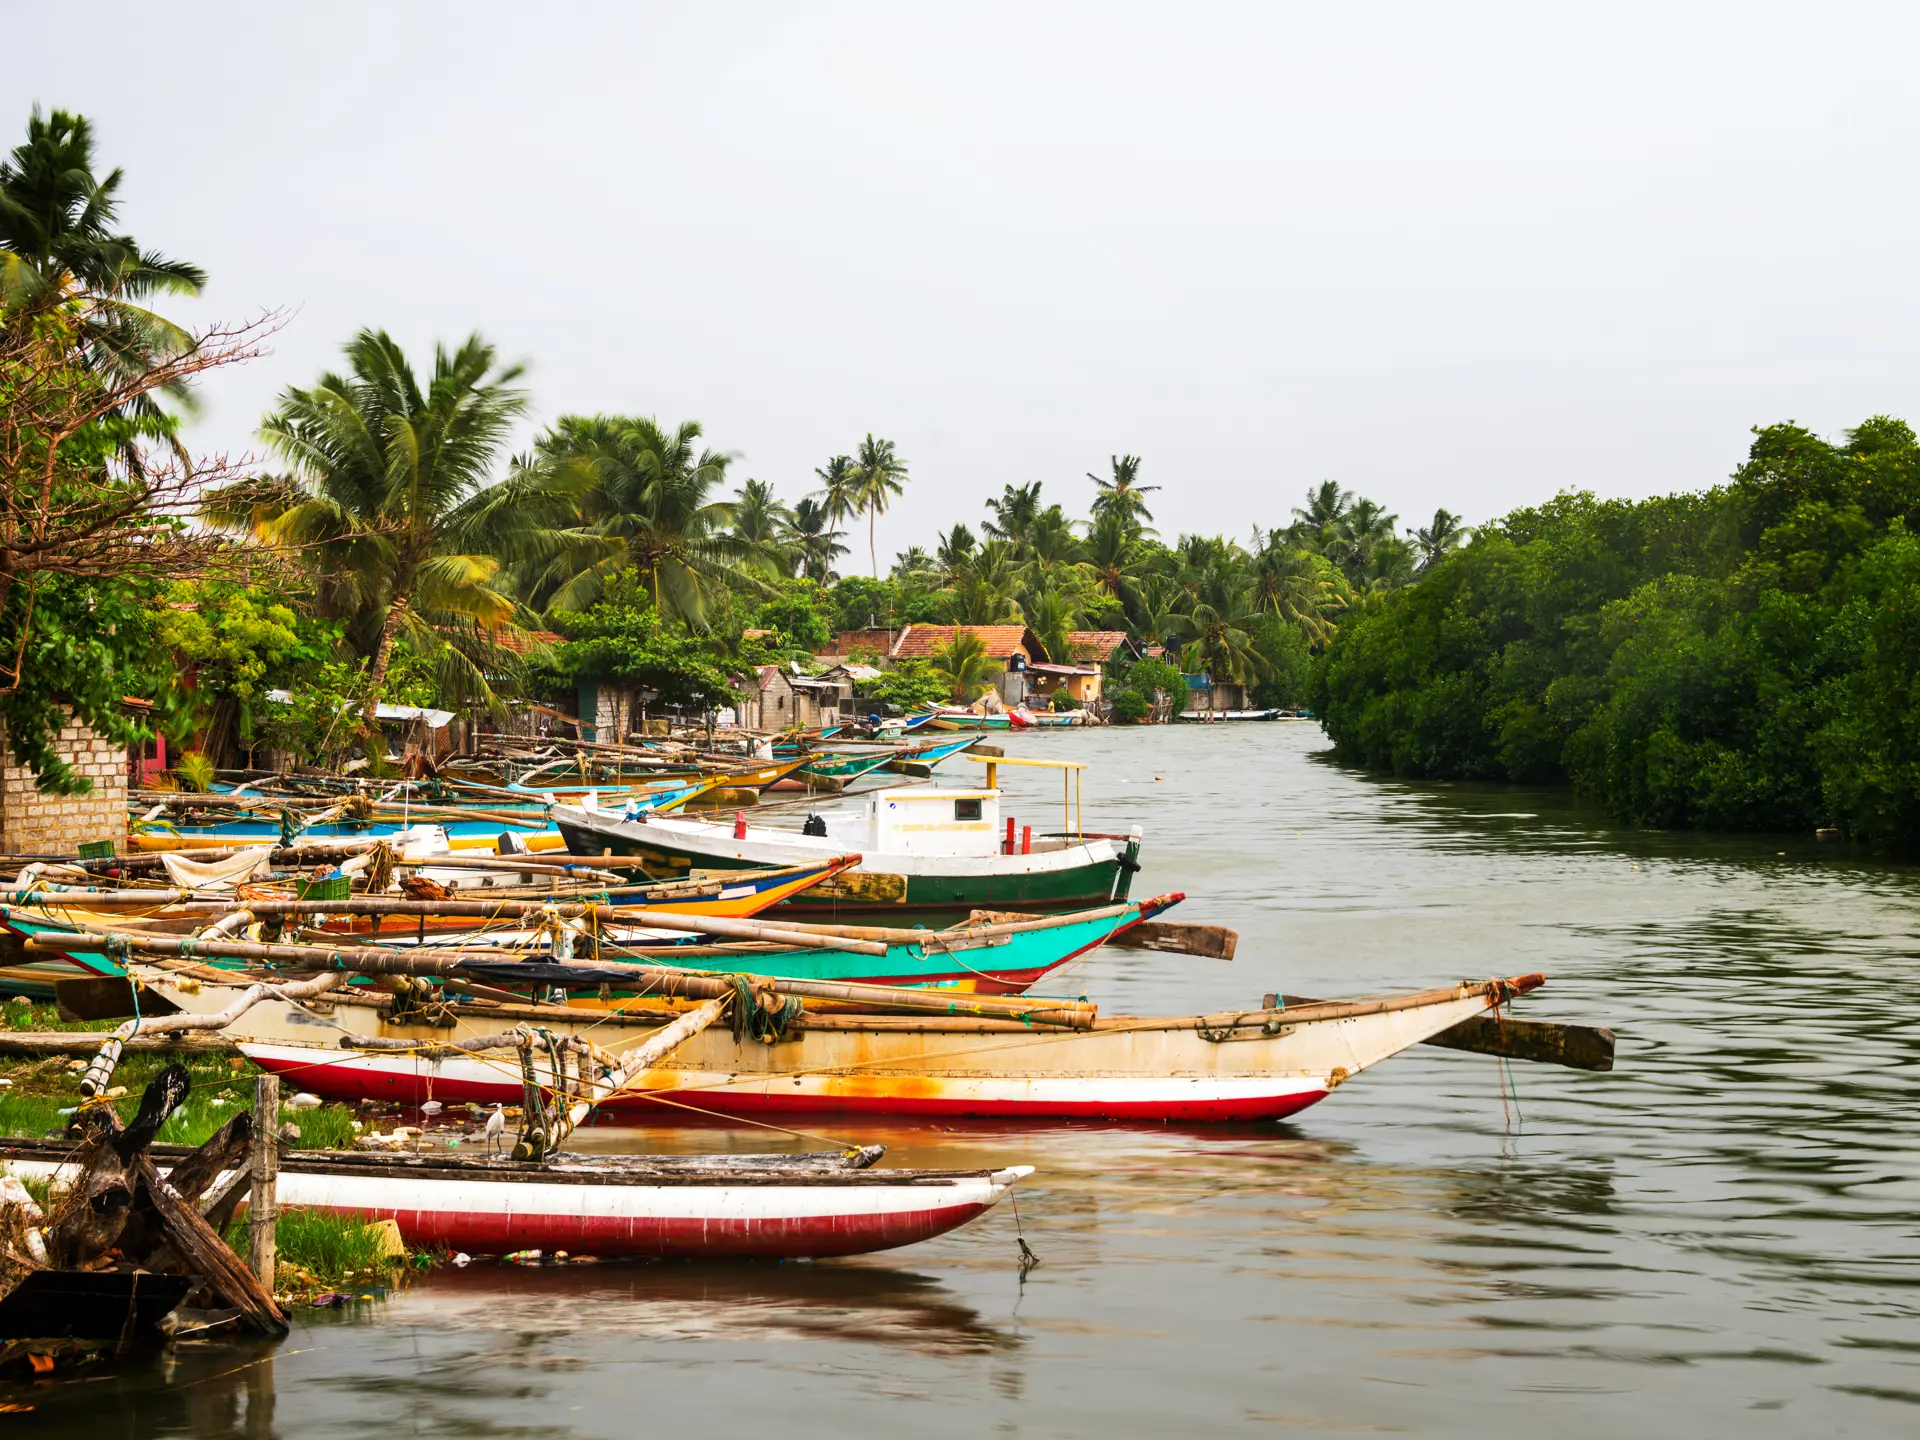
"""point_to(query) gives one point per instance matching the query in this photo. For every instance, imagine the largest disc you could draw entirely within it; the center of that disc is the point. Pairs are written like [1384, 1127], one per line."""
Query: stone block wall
[33, 822]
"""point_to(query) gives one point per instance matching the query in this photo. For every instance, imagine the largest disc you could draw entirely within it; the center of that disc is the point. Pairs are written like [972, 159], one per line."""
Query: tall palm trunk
[383, 656]
[873, 514]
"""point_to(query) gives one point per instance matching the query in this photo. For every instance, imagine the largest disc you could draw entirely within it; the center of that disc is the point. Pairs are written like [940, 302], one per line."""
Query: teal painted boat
[997, 955]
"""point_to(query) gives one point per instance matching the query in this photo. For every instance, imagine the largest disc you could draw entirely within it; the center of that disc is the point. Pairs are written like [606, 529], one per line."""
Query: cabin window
[966, 809]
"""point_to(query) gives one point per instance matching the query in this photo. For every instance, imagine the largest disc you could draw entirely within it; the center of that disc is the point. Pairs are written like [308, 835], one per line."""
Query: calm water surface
[1722, 1237]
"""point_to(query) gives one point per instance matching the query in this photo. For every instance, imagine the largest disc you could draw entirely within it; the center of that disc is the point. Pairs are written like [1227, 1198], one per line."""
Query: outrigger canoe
[1260, 1064]
[995, 955]
[765, 1207]
[25, 913]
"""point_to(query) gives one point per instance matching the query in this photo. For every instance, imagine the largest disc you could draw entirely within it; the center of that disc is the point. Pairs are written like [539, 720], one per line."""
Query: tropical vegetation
[1739, 658]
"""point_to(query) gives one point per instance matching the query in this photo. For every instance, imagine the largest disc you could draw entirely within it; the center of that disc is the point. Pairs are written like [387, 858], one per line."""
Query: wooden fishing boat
[1259, 1064]
[1215, 717]
[25, 913]
[995, 955]
[922, 850]
[766, 1207]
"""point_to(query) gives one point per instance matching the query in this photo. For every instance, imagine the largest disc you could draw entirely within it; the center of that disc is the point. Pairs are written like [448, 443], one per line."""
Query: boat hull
[785, 1221]
[770, 1215]
[1254, 1065]
[1049, 882]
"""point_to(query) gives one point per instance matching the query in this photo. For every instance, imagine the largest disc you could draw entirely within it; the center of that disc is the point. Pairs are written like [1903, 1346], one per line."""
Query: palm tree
[387, 490]
[1053, 615]
[1014, 513]
[1122, 495]
[1434, 543]
[1219, 630]
[763, 528]
[982, 591]
[916, 570]
[1110, 556]
[1295, 584]
[605, 493]
[58, 241]
[836, 488]
[1352, 541]
[1157, 610]
[962, 663]
[954, 552]
[875, 477]
[1326, 505]
[815, 541]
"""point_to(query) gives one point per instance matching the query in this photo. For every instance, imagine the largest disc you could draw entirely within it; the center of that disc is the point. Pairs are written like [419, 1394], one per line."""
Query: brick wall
[35, 823]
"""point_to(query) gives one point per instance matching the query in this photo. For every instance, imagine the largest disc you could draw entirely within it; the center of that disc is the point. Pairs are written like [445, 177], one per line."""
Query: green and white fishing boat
[921, 850]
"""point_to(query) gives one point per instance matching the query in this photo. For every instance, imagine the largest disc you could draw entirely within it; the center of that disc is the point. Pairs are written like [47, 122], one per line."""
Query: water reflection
[868, 1304]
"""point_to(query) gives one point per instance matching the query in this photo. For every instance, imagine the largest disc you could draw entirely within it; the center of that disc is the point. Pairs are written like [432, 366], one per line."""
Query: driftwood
[226, 1150]
[207, 1254]
[122, 1210]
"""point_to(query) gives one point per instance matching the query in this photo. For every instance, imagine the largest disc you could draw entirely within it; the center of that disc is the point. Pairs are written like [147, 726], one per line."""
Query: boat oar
[1545, 1042]
[658, 980]
[1215, 942]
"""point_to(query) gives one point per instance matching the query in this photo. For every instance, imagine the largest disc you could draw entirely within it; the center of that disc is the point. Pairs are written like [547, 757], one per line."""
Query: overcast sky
[1445, 254]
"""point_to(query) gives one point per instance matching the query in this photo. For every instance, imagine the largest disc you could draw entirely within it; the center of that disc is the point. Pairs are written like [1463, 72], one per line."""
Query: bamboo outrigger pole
[658, 980]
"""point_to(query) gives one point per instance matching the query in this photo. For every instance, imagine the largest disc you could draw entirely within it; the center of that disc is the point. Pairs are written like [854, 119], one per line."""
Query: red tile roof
[1095, 645]
[520, 642]
[916, 642]
[848, 641]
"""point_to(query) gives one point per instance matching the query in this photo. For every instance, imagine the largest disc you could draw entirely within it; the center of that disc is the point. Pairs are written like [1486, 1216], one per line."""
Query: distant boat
[1210, 717]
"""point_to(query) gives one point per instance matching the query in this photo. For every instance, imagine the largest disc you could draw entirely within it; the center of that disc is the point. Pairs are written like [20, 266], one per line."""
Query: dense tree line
[1742, 658]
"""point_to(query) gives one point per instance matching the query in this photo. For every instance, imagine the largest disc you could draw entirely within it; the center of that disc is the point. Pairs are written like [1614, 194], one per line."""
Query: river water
[1721, 1237]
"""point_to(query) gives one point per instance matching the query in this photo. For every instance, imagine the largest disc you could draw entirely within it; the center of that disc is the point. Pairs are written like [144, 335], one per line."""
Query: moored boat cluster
[549, 939]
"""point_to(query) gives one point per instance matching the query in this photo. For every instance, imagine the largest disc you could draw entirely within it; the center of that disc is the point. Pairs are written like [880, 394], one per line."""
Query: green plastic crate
[96, 849]
[334, 887]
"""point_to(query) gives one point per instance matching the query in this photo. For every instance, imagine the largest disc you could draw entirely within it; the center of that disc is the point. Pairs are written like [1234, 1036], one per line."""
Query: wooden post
[262, 1206]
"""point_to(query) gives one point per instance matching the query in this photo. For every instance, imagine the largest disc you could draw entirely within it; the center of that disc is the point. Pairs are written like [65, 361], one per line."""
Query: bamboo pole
[636, 1062]
[657, 980]
[100, 1072]
[725, 927]
[263, 1205]
[789, 932]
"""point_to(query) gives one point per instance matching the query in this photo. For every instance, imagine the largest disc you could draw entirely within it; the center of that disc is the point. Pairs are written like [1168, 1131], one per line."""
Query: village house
[774, 698]
[1011, 649]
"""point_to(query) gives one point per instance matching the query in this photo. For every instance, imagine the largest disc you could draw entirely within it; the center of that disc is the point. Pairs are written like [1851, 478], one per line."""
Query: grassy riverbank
[320, 1254]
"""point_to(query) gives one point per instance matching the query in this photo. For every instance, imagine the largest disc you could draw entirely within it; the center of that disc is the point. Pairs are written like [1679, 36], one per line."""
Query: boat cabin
[923, 822]
[931, 822]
